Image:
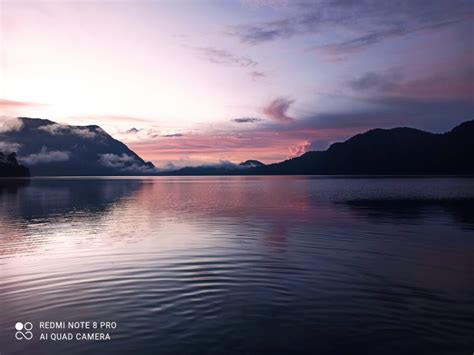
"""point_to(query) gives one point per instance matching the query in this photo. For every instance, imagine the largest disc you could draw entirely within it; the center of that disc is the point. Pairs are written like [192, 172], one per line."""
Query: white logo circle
[24, 331]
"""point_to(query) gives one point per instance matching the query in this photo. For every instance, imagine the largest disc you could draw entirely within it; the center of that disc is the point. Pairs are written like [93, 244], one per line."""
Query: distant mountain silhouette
[251, 163]
[9, 166]
[222, 168]
[398, 151]
[49, 148]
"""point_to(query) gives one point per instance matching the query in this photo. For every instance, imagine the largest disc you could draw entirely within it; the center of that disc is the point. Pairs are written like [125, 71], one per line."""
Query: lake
[240, 265]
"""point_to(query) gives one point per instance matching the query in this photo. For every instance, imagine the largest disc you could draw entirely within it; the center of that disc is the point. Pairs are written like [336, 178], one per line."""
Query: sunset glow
[203, 81]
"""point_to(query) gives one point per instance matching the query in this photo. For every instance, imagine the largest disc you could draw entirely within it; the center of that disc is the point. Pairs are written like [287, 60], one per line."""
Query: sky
[186, 82]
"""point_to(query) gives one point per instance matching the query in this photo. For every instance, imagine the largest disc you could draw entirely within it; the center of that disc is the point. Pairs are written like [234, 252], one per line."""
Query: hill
[49, 148]
[397, 151]
[9, 166]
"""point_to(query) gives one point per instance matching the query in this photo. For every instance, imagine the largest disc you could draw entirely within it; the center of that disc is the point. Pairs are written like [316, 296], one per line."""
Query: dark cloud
[255, 75]
[369, 21]
[246, 120]
[451, 83]
[341, 49]
[172, 135]
[385, 112]
[325, 128]
[277, 109]
[134, 134]
[132, 130]
[390, 107]
[256, 34]
[224, 57]
[376, 81]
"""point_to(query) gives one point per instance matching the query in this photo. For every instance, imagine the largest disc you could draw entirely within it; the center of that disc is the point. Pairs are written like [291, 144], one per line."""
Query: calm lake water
[241, 265]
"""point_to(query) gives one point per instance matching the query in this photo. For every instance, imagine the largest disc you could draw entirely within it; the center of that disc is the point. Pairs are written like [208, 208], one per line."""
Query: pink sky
[236, 80]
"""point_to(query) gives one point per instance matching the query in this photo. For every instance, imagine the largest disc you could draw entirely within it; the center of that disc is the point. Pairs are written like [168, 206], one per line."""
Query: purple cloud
[224, 57]
[247, 120]
[256, 75]
[173, 135]
[367, 22]
[277, 109]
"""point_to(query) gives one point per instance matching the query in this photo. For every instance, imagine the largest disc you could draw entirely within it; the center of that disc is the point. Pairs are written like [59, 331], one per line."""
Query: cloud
[271, 141]
[277, 109]
[179, 164]
[9, 147]
[267, 142]
[132, 130]
[340, 50]
[13, 104]
[14, 108]
[59, 129]
[269, 31]
[298, 150]
[93, 119]
[139, 134]
[115, 161]
[11, 125]
[437, 87]
[445, 84]
[187, 163]
[362, 23]
[392, 111]
[375, 81]
[45, 156]
[224, 57]
[172, 135]
[145, 134]
[124, 163]
[246, 120]
[256, 75]
[192, 163]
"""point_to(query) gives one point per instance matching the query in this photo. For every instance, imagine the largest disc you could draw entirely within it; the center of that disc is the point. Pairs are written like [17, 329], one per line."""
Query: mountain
[251, 164]
[9, 166]
[397, 151]
[49, 148]
[222, 168]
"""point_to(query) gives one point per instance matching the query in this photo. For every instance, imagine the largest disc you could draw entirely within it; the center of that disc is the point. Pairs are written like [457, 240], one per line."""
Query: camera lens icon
[23, 331]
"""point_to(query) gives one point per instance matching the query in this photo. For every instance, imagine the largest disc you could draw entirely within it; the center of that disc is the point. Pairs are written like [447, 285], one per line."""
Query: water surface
[241, 265]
